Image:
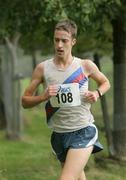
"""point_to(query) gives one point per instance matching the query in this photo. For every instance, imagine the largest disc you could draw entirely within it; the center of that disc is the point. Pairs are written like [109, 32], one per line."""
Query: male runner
[68, 100]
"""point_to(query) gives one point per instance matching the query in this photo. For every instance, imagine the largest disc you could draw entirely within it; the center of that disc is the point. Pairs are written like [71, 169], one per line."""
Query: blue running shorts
[85, 137]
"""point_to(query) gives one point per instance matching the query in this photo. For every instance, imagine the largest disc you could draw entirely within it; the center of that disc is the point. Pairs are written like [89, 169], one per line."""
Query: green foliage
[36, 19]
[33, 19]
[94, 19]
[42, 26]
[31, 16]
[25, 16]
[90, 14]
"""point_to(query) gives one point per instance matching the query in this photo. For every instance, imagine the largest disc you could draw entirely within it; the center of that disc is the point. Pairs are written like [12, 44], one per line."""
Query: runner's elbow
[24, 102]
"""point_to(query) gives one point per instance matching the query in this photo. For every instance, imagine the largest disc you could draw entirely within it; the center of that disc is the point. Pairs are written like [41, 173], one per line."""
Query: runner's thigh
[76, 160]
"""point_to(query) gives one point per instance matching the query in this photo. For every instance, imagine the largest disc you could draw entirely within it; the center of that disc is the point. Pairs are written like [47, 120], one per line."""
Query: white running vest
[68, 111]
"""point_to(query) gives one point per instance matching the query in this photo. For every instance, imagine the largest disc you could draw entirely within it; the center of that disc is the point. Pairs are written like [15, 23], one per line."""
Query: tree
[92, 14]
[26, 19]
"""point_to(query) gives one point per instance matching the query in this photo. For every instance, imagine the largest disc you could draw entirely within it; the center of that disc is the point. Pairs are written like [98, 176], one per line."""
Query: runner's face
[63, 43]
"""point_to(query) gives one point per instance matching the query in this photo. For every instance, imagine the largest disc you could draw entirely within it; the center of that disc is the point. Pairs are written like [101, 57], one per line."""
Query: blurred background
[26, 39]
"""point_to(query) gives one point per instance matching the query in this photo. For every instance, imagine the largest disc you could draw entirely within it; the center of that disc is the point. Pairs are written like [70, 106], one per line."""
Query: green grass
[31, 158]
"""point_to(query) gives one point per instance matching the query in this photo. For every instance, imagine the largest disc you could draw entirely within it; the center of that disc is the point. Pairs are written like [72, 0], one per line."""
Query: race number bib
[68, 95]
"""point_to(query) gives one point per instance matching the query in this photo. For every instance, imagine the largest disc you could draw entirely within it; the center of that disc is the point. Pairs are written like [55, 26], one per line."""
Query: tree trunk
[11, 90]
[119, 117]
[106, 117]
[2, 112]
[2, 115]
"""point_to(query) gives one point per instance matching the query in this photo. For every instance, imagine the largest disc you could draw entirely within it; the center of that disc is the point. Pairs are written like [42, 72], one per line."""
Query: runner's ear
[74, 42]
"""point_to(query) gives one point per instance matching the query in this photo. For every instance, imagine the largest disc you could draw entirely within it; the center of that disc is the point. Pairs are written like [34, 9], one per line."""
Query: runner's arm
[102, 81]
[29, 99]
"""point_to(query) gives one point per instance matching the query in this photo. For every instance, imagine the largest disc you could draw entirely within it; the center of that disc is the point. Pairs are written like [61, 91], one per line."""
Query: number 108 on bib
[68, 95]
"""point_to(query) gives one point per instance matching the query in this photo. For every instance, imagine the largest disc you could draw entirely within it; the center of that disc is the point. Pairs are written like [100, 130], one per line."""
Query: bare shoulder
[38, 72]
[39, 67]
[89, 66]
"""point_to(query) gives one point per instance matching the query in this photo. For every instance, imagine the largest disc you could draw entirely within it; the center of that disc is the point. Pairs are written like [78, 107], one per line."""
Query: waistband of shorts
[70, 131]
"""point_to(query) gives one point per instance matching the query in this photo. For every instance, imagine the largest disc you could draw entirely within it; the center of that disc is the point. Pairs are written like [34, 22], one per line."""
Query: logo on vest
[64, 89]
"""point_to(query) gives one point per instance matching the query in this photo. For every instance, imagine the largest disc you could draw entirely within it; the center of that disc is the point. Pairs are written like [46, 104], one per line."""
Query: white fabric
[68, 95]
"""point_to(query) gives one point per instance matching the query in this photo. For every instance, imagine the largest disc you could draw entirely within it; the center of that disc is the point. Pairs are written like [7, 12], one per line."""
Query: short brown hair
[67, 25]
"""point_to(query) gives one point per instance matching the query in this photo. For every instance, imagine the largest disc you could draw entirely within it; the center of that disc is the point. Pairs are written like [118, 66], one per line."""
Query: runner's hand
[91, 96]
[50, 91]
